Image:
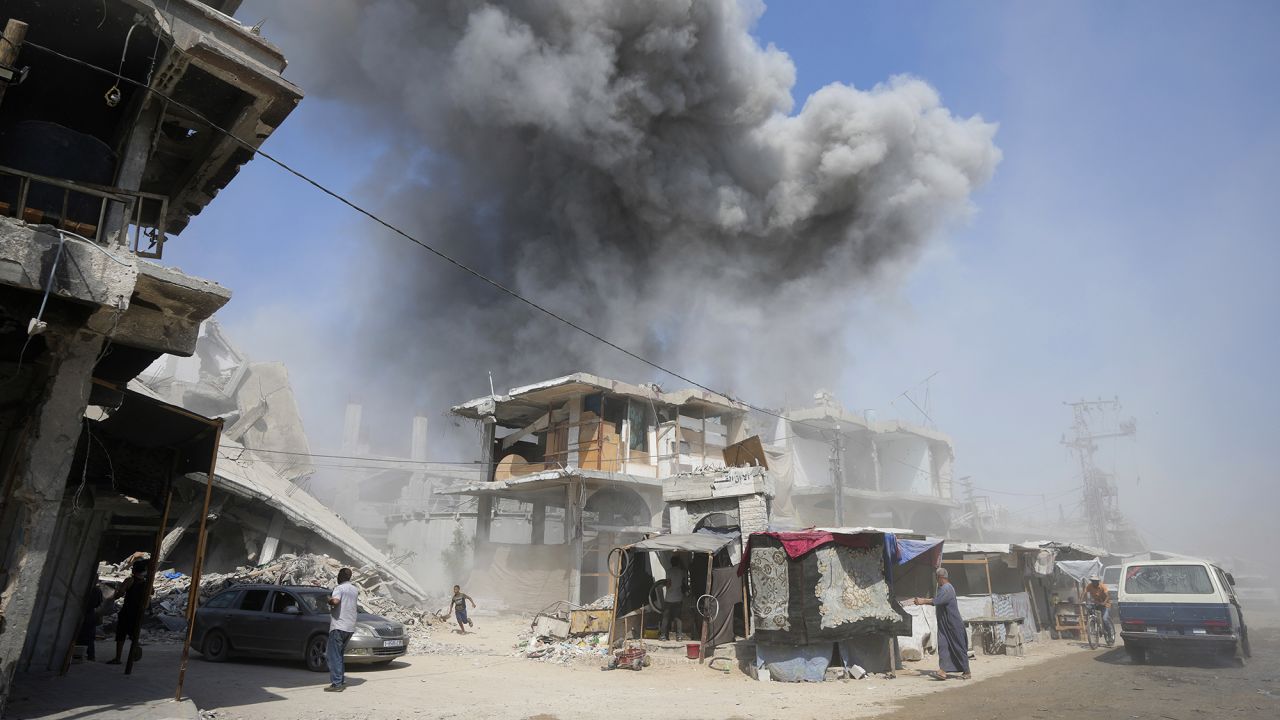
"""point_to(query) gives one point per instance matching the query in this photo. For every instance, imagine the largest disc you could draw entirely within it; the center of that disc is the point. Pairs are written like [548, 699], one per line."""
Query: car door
[286, 629]
[247, 621]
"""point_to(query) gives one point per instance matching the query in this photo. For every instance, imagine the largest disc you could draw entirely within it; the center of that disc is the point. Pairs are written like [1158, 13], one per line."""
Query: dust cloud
[637, 167]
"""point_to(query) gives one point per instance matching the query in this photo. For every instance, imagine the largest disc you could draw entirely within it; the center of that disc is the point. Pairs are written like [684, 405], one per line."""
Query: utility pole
[837, 476]
[1099, 490]
[967, 481]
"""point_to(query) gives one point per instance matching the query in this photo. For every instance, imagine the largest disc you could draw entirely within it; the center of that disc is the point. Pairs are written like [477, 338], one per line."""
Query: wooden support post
[193, 596]
[702, 646]
[746, 609]
[987, 566]
[613, 592]
[15, 33]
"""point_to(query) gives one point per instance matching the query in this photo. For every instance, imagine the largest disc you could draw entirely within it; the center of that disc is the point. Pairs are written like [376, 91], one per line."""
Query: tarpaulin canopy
[698, 542]
[1080, 570]
[907, 550]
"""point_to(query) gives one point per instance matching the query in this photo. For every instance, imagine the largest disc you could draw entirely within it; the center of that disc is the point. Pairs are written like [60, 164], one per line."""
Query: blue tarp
[794, 663]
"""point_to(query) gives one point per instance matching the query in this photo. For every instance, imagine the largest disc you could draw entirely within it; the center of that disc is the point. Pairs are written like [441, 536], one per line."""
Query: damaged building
[260, 507]
[97, 173]
[595, 451]
[613, 462]
[851, 470]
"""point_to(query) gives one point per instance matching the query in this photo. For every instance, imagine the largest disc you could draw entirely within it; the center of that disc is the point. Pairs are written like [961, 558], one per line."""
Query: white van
[1180, 604]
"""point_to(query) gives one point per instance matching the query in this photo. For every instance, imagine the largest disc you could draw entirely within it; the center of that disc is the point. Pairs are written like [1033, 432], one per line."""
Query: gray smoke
[637, 166]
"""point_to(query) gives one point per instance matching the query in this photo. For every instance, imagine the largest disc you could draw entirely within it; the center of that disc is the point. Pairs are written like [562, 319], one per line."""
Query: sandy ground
[477, 676]
[1085, 686]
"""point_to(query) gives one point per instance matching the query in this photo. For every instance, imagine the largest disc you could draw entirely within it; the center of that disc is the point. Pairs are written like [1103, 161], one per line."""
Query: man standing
[342, 623]
[953, 644]
[673, 597]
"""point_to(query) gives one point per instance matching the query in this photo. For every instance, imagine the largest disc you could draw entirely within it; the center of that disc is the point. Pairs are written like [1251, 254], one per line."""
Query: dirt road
[475, 676]
[1107, 685]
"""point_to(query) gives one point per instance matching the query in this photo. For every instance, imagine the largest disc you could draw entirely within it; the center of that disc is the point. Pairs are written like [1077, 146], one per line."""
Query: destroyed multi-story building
[853, 470]
[596, 452]
[119, 121]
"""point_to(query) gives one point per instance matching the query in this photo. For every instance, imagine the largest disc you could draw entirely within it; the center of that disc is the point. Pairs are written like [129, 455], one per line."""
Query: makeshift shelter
[1055, 572]
[820, 594]
[993, 580]
[716, 587]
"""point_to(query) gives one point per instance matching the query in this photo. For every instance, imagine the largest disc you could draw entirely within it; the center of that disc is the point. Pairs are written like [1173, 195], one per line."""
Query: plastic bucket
[691, 650]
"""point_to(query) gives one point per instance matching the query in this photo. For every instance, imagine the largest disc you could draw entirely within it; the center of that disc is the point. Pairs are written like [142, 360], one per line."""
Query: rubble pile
[592, 647]
[171, 590]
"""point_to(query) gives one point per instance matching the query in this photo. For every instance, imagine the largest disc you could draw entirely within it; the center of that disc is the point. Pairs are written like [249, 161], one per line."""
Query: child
[459, 603]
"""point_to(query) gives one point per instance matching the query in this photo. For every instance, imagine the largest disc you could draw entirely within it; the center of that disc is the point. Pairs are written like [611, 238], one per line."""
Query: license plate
[1151, 629]
[392, 643]
[1198, 631]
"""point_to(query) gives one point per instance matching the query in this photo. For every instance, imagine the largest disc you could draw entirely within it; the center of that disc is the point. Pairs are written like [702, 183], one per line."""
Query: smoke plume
[637, 166]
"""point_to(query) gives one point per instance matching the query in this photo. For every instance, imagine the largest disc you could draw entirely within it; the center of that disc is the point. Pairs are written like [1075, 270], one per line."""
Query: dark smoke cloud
[635, 165]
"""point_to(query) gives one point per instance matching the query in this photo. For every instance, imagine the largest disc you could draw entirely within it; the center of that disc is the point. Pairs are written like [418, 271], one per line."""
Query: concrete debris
[169, 601]
[603, 603]
[588, 648]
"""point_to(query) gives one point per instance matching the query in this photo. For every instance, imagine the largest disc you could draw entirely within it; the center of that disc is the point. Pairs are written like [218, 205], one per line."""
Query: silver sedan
[288, 622]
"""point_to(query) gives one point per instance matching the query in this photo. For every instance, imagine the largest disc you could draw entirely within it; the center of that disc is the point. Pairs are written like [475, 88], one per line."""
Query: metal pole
[193, 596]
[702, 646]
[837, 477]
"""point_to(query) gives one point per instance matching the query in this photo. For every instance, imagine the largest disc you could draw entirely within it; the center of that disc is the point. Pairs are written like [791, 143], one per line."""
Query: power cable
[402, 233]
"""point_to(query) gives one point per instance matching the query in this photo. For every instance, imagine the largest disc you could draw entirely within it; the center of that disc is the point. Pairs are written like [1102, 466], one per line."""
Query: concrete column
[484, 509]
[39, 480]
[271, 545]
[133, 159]
[538, 532]
[575, 442]
[573, 525]
[351, 428]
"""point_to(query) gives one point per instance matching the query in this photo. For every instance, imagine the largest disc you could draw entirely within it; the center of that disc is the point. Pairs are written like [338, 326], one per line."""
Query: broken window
[640, 417]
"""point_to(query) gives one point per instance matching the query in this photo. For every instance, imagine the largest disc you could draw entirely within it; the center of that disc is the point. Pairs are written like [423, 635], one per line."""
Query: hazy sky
[1124, 247]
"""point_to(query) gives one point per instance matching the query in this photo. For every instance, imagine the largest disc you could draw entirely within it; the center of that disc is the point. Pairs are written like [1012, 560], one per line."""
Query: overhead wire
[416, 241]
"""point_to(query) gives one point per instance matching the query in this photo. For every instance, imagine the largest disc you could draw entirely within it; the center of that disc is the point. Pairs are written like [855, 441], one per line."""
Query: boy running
[459, 603]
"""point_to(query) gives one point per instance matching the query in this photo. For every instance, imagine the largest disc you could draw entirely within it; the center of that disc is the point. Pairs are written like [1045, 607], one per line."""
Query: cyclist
[1097, 596]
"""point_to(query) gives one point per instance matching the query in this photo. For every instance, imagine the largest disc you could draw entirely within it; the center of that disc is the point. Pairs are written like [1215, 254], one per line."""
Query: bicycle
[1094, 627]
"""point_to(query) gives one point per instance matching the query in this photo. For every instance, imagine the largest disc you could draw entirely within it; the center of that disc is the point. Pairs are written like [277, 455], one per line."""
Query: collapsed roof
[522, 405]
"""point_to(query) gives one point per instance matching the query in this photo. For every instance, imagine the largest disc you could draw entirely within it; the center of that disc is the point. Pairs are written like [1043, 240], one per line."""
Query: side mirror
[1231, 579]
[292, 610]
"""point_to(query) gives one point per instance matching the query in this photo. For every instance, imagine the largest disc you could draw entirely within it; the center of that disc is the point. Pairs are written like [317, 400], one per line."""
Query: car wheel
[1244, 643]
[1136, 654]
[315, 653]
[216, 647]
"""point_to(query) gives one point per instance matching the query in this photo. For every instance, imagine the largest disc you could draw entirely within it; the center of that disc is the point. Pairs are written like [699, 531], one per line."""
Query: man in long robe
[953, 643]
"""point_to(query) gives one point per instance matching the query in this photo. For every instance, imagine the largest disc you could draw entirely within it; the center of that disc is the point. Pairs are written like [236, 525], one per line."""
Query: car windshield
[1167, 580]
[317, 601]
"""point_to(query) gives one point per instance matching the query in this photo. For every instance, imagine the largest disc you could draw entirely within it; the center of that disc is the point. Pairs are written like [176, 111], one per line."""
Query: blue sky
[1126, 245]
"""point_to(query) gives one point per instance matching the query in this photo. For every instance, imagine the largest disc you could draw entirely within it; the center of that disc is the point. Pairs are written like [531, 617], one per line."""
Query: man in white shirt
[342, 623]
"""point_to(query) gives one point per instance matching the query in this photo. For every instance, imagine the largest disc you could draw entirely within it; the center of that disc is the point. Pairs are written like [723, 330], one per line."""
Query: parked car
[1180, 605]
[288, 622]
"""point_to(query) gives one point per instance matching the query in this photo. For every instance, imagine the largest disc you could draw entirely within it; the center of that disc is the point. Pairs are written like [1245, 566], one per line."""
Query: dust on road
[1107, 685]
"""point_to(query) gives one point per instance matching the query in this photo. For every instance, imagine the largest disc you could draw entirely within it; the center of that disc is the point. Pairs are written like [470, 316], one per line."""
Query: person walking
[342, 624]
[953, 644]
[129, 619]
